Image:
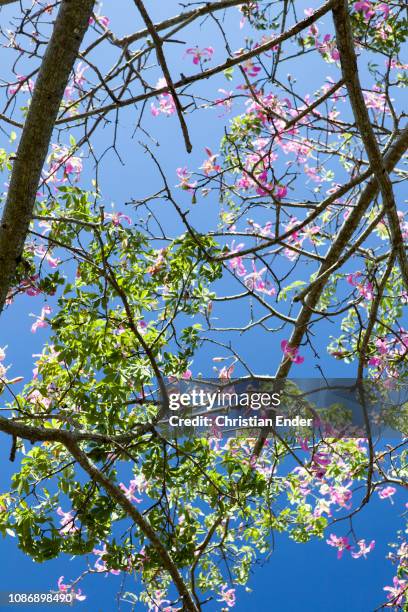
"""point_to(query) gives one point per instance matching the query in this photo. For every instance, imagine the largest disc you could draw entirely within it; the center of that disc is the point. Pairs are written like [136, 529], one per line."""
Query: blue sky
[304, 577]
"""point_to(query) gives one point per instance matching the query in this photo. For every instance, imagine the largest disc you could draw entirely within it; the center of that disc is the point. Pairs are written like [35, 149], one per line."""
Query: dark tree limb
[183, 18]
[349, 68]
[158, 44]
[69, 29]
[120, 498]
[393, 156]
[71, 442]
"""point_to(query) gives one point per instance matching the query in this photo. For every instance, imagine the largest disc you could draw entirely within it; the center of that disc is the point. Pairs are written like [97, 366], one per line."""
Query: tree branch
[186, 17]
[158, 44]
[393, 156]
[70, 26]
[205, 74]
[349, 68]
[70, 441]
[118, 495]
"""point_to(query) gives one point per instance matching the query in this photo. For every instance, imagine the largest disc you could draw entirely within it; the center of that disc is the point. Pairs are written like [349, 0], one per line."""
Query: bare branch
[234, 61]
[158, 43]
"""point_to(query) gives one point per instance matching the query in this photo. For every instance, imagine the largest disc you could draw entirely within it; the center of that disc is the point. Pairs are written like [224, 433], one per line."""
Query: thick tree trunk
[62, 50]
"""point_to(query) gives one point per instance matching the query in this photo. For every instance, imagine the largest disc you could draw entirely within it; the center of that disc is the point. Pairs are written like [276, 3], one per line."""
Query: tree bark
[62, 51]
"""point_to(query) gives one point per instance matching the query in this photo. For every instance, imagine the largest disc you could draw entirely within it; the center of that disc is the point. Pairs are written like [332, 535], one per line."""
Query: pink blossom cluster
[387, 352]
[397, 594]
[67, 521]
[66, 588]
[101, 19]
[297, 237]
[372, 9]
[254, 281]
[41, 319]
[166, 104]
[61, 158]
[326, 46]
[365, 288]
[342, 543]
[139, 484]
[376, 100]
[158, 603]
[291, 352]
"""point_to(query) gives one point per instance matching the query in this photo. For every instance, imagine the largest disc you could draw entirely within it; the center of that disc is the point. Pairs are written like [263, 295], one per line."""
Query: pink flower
[3, 353]
[376, 100]
[254, 282]
[341, 543]
[184, 175]
[63, 588]
[138, 483]
[304, 444]
[37, 398]
[44, 253]
[320, 462]
[226, 372]
[366, 8]
[167, 106]
[187, 375]
[209, 164]
[382, 346]
[67, 521]
[28, 286]
[365, 289]
[41, 322]
[281, 192]
[116, 218]
[158, 601]
[227, 596]
[387, 492]
[102, 19]
[327, 48]
[61, 158]
[313, 173]
[250, 68]
[397, 593]
[291, 352]
[364, 549]
[384, 9]
[226, 100]
[236, 264]
[340, 495]
[66, 588]
[200, 55]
